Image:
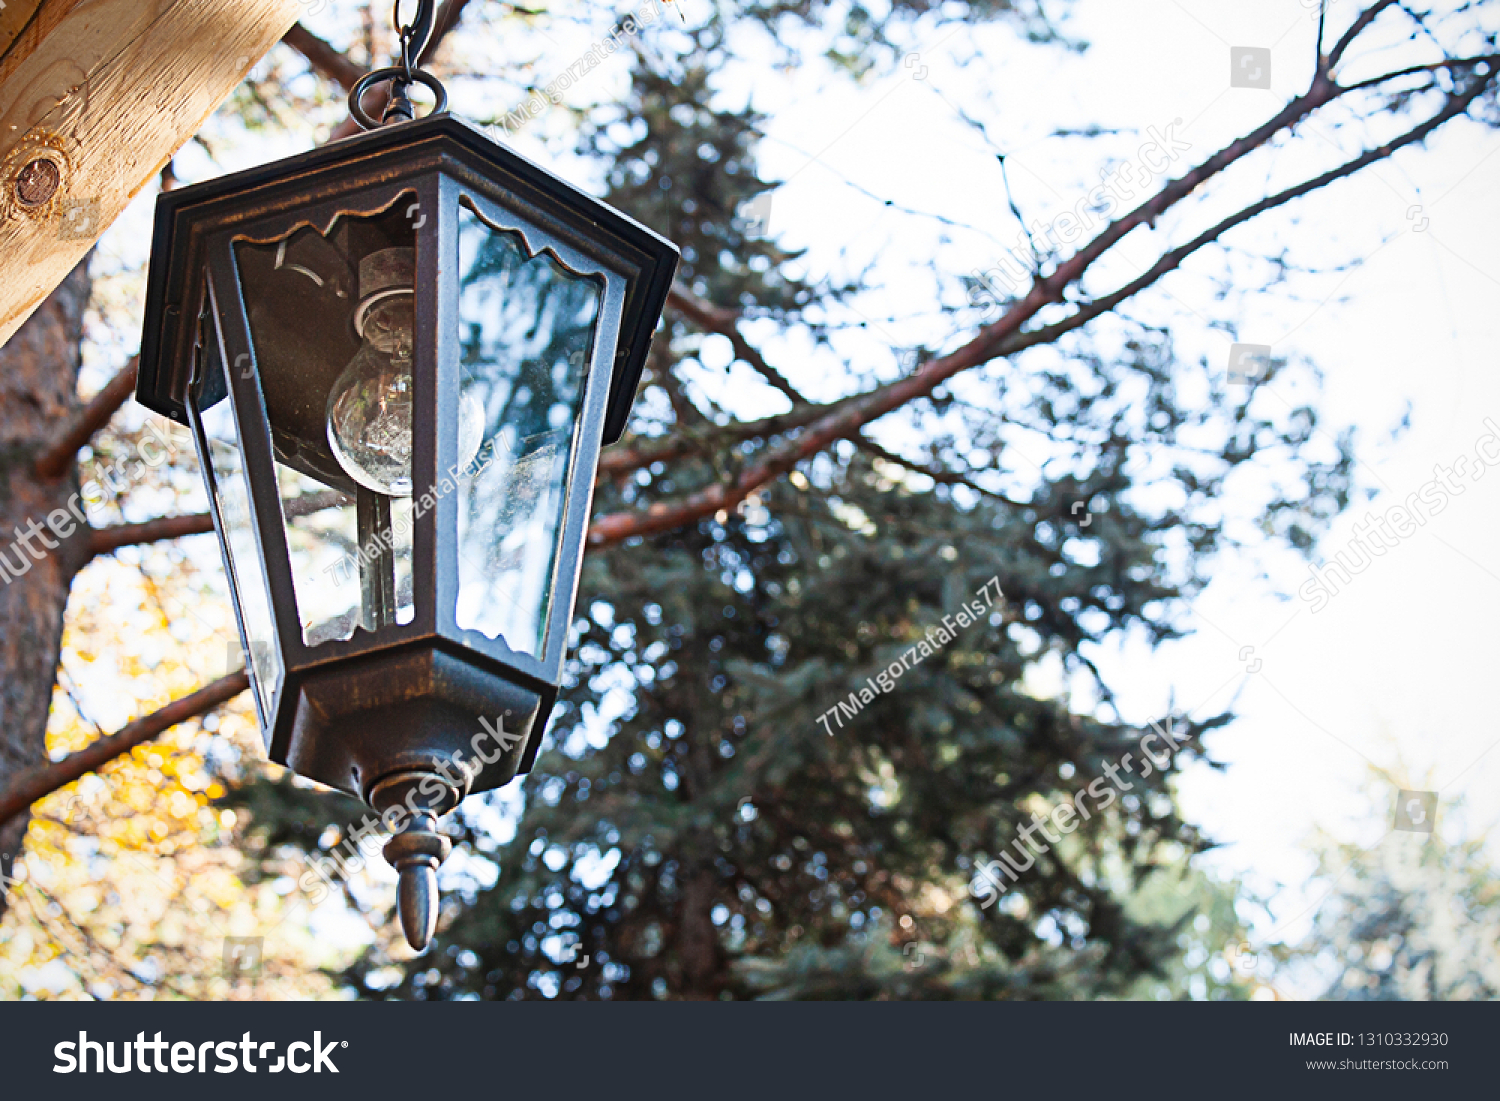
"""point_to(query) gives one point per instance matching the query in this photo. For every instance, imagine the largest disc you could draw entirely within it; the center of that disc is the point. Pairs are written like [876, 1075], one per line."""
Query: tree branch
[30, 786]
[1170, 260]
[1366, 17]
[112, 538]
[326, 61]
[643, 451]
[446, 19]
[1005, 336]
[716, 319]
[1071, 270]
[1449, 63]
[939, 474]
[57, 459]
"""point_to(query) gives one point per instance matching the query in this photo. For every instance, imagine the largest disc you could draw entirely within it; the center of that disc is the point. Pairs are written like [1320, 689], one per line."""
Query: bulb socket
[383, 275]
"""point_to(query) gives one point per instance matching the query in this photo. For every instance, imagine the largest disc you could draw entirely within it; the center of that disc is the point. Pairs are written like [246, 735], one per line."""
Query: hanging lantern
[399, 356]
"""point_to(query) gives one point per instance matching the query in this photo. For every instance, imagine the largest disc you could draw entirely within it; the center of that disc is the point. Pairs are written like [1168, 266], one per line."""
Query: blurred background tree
[1414, 917]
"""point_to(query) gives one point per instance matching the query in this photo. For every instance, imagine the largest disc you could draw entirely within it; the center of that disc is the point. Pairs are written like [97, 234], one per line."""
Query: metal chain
[414, 38]
[406, 53]
[414, 35]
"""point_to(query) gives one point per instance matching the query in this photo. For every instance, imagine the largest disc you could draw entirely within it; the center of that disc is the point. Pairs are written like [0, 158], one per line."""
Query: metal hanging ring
[394, 72]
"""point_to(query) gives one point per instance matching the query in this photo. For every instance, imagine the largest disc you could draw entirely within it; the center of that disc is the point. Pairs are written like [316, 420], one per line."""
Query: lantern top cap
[440, 143]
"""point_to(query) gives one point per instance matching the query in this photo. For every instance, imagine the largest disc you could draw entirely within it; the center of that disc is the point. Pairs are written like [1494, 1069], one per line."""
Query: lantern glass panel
[526, 331]
[228, 481]
[332, 321]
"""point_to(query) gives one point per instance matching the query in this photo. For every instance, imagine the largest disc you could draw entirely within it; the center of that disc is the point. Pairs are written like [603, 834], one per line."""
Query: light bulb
[369, 407]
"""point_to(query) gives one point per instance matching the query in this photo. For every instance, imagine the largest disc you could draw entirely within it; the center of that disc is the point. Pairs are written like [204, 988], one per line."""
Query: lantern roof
[439, 143]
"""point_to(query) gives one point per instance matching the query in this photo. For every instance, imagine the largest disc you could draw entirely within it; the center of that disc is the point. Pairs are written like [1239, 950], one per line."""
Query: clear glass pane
[526, 328]
[228, 482]
[331, 563]
[331, 319]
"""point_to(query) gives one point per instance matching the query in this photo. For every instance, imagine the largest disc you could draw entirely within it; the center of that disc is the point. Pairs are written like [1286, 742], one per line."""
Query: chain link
[406, 53]
[414, 37]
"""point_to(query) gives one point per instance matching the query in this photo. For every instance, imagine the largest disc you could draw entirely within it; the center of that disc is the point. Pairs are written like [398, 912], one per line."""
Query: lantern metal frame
[428, 681]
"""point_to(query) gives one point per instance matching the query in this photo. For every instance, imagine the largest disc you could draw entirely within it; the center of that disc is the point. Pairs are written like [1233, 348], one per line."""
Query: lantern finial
[416, 852]
[417, 848]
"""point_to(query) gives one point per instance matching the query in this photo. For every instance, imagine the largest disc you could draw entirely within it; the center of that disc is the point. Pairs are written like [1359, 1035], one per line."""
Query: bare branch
[326, 61]
[1366, 17]
[32, 785]
[939, 474]
[1450, 63]
[643, 451]
[309, 503]
[57, 459]
[1174, 191]
[1322, 91]
[107, 539]
[716, 319]
[1006, 336]
[112, 538]
[1170, 260]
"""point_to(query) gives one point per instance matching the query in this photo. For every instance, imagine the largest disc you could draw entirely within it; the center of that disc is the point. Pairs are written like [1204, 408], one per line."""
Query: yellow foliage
[129, 886]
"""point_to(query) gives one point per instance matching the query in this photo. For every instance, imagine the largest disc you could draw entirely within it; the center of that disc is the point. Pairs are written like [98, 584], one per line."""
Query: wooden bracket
[95, 97]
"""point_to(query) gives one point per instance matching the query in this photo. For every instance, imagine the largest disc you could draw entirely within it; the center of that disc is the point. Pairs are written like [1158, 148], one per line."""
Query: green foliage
[718, 822]
[685, 170]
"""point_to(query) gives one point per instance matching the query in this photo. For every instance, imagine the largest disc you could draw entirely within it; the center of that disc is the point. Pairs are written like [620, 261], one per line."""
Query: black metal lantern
[400, 355]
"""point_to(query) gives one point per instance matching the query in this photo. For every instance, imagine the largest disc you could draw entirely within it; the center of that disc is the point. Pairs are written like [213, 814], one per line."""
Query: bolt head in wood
[37, 182]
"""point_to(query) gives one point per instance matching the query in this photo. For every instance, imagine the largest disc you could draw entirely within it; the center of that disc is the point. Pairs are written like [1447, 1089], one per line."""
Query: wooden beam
[95, 97]
[13, 19]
